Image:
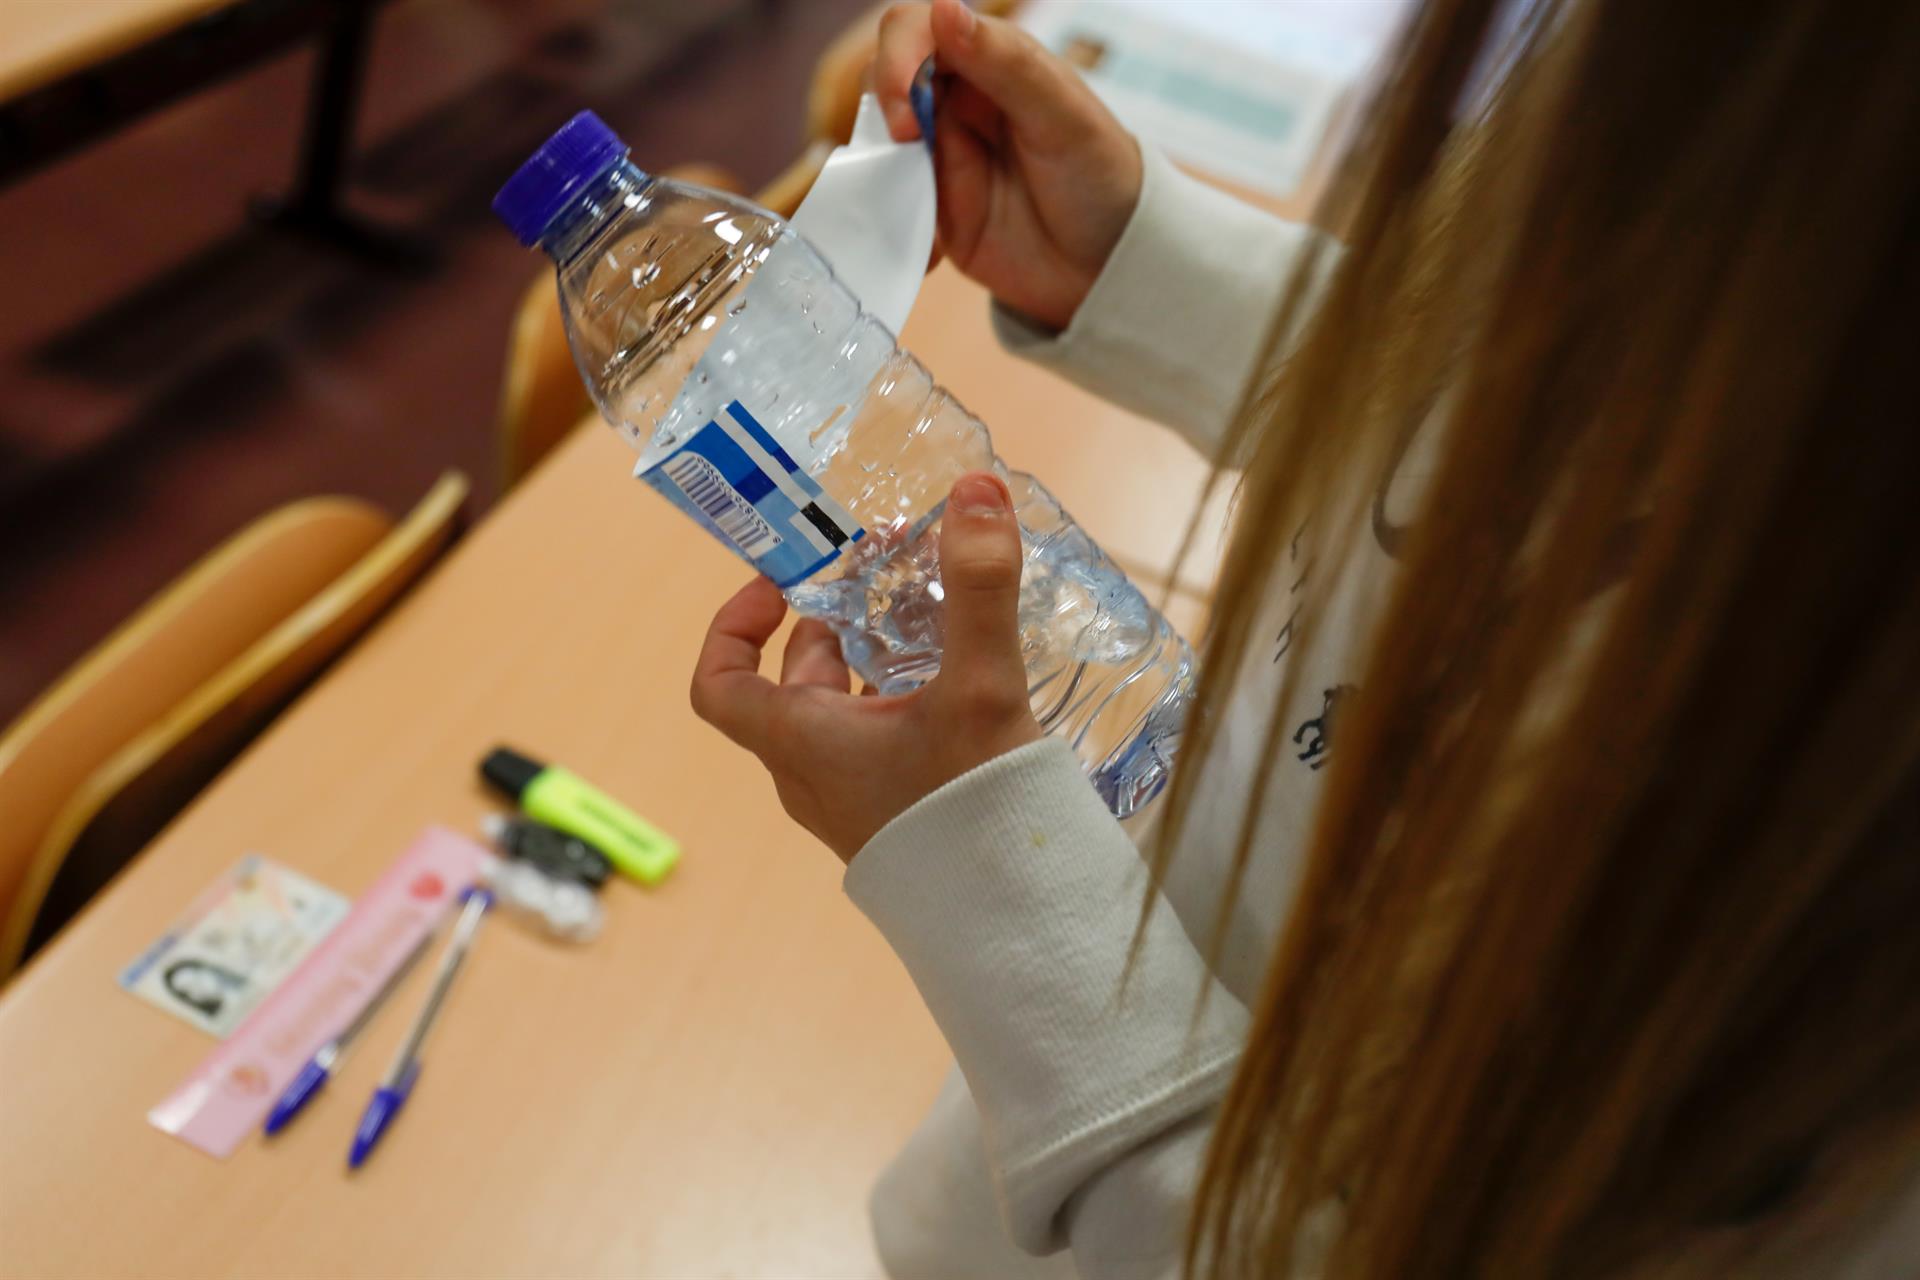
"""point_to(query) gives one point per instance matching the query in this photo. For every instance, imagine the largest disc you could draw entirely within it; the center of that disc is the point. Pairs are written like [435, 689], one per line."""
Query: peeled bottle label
[733, 477]
[870, 214]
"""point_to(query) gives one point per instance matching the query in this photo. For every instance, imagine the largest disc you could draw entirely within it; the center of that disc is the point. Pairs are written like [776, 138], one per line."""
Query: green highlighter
[560, 799]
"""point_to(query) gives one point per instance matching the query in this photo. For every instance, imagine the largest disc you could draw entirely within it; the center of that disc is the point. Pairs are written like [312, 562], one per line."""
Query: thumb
[1039, 94]
[980, 564]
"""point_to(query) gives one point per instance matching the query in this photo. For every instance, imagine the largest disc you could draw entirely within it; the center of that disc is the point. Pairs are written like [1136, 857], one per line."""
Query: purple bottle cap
[581, 150]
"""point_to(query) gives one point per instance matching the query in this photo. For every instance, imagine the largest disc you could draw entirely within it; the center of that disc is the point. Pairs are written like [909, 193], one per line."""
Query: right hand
[845, 766]
[1036, 178]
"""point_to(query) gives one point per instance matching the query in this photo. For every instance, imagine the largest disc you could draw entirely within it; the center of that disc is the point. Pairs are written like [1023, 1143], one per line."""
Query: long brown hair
[1607, 956]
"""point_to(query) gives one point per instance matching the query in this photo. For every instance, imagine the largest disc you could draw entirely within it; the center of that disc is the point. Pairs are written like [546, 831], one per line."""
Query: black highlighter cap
[509, 772]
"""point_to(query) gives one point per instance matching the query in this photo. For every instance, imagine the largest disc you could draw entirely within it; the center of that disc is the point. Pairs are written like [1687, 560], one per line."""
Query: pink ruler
[228, 1095]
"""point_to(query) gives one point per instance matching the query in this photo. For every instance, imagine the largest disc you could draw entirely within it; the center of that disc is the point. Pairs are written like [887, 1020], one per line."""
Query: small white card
[235, 944]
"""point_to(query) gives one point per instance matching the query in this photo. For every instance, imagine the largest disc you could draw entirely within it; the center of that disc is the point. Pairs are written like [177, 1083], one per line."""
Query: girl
[1537, 892]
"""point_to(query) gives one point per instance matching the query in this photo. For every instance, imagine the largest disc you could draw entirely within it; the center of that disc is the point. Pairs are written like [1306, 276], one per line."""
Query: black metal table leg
[314, 208]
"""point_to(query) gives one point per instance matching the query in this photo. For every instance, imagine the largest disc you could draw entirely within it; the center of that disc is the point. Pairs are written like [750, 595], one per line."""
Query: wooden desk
[42, 41]
[708, 1089]
[74, 71]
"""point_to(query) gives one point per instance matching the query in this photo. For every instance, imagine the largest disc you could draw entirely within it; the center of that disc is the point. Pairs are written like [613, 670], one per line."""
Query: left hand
[845, 766]
[1036, 178]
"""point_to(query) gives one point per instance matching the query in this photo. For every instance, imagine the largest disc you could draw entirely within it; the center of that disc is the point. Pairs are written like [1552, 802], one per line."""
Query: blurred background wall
[169, 369]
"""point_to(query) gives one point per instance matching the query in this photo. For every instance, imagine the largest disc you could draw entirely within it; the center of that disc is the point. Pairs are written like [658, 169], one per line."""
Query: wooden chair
[541, 398]
[541, 395]
[94, 769]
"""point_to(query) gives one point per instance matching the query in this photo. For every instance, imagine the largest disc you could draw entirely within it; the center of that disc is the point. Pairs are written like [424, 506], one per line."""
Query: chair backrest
[541, 395]
[198, 624]
[330, 566]
[784, 192]
[839, 75]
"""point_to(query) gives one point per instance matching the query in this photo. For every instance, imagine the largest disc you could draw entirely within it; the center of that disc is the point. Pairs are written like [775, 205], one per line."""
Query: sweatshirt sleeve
[1011, 895]
[1175, 323]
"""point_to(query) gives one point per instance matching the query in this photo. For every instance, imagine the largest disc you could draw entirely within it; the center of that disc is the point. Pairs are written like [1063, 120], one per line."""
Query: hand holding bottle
[845, 766]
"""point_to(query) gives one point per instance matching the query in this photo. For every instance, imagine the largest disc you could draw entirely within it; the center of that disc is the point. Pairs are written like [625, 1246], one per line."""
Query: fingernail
[967, 23]
[979, 495]
[900, 119]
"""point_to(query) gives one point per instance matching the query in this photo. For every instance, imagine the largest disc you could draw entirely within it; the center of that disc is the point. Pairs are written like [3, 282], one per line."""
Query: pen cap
[509, 772]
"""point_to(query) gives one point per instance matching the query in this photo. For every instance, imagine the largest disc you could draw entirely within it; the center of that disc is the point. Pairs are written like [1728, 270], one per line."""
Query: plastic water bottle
[788, 423]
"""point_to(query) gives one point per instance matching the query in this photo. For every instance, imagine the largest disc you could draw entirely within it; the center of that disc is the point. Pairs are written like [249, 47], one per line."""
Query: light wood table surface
[708, 1089]
[43, 40]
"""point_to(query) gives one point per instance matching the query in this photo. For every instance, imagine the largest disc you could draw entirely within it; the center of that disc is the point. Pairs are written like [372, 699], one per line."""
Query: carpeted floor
[169, 371]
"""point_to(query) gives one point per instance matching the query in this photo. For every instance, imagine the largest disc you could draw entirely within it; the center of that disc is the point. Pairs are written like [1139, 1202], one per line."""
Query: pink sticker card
[228, 1095]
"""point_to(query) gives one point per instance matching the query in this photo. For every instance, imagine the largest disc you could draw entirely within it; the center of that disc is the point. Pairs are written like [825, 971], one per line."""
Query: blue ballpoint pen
[392, 1093]
[319, 1068]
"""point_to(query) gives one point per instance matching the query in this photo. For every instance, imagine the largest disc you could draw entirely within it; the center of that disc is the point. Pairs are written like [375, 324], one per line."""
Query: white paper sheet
[870, 214]
[1242, 89]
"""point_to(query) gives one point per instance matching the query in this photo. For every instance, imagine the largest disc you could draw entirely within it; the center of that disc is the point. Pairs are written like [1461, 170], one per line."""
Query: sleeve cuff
[1011, 896]
[1175, 323]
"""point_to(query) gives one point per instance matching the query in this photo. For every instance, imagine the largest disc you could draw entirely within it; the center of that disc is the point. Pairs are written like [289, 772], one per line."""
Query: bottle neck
[623, 186]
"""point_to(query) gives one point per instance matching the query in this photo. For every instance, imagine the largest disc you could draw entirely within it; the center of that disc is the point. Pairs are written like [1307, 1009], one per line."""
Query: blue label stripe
[833, 511]
[783, 524]
[738, 412]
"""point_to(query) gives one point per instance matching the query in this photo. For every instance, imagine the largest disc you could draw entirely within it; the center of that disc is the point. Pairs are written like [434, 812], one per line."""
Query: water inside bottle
[711, 302]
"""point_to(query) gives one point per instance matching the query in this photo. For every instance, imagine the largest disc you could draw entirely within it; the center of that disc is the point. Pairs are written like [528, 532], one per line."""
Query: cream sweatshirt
[1080, 1113]
[1070, 1138]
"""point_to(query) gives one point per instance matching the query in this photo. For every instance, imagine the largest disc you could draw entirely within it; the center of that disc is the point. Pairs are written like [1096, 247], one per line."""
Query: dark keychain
[563, 856]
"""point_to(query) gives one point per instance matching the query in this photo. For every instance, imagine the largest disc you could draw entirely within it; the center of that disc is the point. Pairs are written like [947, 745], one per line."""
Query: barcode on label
[707, 489]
